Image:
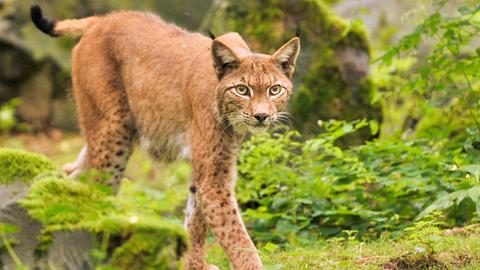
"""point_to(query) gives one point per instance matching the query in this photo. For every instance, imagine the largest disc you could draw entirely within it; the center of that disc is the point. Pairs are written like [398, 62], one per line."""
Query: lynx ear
[286, 56]
[224, 60]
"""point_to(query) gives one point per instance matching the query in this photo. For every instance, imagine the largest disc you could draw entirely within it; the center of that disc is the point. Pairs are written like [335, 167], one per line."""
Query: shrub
[315, 189]
[433, 72]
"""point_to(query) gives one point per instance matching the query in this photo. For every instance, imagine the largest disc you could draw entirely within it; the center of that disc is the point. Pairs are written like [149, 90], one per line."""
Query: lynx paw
[69, 168]
[74, 168]
[212, 267]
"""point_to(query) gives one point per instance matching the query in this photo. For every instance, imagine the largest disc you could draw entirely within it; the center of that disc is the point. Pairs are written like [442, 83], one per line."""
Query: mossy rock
[66, 203]
[155, 250]
[331, 80]
[18, 165]
[141, 241]
[129, 237]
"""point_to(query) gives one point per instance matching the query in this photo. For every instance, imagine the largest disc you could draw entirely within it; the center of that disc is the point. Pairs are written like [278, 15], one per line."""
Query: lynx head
[253, 89]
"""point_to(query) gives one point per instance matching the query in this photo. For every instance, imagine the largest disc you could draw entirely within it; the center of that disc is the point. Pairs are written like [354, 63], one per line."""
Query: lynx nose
[261, 117]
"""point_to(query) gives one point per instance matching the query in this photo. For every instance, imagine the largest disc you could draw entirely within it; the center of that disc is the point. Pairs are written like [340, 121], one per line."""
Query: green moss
[64, 202]
[146, 251]
[138, 240]
[17, 165]
[133, 236]
[141, 241]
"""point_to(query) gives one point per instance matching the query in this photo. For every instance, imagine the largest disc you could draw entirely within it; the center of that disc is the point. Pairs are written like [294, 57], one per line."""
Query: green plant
[6, 242]
[442, 78]
[294, 190]
[424, 234]
[455, 198]
[7, 115]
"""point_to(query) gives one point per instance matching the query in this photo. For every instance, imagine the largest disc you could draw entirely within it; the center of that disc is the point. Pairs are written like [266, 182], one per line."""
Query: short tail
[59, 28]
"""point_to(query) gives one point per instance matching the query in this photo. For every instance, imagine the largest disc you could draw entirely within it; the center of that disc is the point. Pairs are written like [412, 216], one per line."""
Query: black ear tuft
[298, 31]
[45, 25]
[211, 35]
[287, 55]
[224, 59]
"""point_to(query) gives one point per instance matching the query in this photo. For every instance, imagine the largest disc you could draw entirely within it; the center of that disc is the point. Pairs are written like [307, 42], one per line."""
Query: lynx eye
[275, 90]
[242, 90]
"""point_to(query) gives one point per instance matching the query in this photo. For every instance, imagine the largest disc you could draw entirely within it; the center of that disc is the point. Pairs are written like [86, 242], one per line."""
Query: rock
[69, 250]
[15, 63]
[18, 170]
[28, 230]
[38, 83]
[379, 17]
[353, 64]
[35, 98]
[60, 220]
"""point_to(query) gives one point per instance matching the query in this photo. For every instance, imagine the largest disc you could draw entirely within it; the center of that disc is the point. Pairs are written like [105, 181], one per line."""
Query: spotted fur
[137, 79]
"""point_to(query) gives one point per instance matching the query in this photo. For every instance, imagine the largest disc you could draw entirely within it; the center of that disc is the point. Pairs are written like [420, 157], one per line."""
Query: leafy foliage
[442, 76]
[314, 188]
[8, 120]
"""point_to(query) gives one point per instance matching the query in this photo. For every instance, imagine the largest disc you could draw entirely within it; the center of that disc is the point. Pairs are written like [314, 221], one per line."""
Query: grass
[168, 185]
[457, 251]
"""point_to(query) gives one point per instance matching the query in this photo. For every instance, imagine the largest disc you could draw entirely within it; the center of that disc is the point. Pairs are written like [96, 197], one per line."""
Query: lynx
[138, 79]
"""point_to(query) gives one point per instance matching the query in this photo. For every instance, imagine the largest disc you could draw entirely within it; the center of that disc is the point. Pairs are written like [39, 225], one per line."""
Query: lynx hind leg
[75, 168]
[109, 136]
[110, 150]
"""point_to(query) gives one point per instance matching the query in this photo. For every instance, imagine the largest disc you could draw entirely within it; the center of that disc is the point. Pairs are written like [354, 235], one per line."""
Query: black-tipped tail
[45, 25]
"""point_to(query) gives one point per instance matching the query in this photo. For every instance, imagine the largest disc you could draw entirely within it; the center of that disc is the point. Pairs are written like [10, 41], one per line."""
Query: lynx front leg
[197, 228]
[222, 214]
[214, 184]
[213, 154]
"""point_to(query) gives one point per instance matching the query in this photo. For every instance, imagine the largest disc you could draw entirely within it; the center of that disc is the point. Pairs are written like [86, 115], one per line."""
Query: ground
[452, 249]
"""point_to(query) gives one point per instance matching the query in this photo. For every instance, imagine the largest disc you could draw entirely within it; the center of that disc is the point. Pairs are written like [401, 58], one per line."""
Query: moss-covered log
[332, 74]
[77, 225]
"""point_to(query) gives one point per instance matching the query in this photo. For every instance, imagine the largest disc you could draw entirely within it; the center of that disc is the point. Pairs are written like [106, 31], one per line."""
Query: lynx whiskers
[138, 79]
